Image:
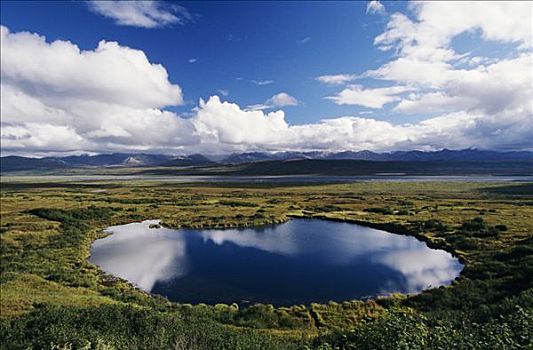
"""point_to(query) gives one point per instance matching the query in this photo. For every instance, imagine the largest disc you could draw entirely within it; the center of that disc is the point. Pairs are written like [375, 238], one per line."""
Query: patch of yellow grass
[26, 290]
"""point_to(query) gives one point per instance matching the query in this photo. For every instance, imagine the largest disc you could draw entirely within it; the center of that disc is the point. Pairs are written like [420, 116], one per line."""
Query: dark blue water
[301, 261]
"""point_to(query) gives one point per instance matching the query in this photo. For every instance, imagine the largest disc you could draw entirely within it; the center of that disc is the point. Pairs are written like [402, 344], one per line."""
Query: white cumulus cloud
[113, 98]
[336, 79]
[226, 127]
[482, 101]
[281, 99]
[106, 98]
[374, 7]
[372, 98]
[436, 23]
[138, 13]
[496, 88]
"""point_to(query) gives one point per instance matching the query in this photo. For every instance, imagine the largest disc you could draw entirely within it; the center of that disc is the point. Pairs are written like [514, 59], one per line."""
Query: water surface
[300, 261]
[281, 179]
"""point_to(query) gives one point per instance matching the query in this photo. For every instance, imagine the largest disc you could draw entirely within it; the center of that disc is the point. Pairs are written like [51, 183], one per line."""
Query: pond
[297, 262]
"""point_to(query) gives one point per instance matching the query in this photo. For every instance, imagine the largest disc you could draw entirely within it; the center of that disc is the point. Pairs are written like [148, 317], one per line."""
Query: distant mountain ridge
[114, 159]
[190, 160]
[17, 163]
[443, 155]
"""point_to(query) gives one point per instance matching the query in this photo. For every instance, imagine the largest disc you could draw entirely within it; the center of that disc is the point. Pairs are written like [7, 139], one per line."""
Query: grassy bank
[53, 297]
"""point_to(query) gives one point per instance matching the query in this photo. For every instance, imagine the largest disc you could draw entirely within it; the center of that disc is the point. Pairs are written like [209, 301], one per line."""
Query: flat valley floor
[52, 297]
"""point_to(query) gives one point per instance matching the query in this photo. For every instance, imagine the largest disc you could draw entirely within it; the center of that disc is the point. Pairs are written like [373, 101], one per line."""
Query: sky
[221, 77]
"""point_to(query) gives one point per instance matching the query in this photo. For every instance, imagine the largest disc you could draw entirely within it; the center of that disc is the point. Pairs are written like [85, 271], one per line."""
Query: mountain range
[443, 155]
[18, 163]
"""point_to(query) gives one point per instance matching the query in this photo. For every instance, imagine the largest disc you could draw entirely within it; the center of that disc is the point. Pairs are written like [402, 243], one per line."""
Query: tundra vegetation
[53, 298]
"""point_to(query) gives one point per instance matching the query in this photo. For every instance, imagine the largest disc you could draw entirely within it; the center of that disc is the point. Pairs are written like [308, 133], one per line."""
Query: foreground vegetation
[53, 298]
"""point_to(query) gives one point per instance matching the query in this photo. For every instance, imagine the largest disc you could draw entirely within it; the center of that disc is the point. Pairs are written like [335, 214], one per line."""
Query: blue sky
[247, 52]
[254, 41]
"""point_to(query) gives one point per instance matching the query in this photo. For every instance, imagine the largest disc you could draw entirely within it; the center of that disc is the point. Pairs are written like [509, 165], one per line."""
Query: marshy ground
[53, 297]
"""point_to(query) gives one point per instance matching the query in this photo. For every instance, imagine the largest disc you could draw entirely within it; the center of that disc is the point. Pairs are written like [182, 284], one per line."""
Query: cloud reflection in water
[421, 266]
[147, 256]
[141, 255]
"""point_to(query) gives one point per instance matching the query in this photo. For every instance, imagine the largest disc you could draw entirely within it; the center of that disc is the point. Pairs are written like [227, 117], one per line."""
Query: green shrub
[477, 227]
[125, 327]
[386, 210]
[237, 203]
